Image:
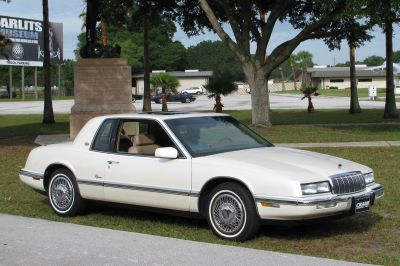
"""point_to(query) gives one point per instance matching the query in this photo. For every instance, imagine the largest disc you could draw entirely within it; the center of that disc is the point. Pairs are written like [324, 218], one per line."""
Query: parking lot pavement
[230, 102]
[28, 241]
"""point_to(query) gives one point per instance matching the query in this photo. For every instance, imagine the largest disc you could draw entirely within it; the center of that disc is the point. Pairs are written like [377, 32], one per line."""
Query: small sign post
[372, 92]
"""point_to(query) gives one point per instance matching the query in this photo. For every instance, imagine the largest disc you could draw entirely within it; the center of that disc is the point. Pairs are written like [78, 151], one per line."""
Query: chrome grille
[348, 183]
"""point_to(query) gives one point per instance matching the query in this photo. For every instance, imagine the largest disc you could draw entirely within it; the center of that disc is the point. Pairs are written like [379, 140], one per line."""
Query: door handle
[112, 162]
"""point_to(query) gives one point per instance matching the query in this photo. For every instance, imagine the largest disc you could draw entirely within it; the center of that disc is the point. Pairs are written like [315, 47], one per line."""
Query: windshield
[215, 134]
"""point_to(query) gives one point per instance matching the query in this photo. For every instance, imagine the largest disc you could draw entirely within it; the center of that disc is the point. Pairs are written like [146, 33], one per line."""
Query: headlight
[369, 178]
[315, 188]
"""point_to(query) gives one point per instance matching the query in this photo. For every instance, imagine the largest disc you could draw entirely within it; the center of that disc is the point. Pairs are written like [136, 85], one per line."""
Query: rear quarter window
[103, 139]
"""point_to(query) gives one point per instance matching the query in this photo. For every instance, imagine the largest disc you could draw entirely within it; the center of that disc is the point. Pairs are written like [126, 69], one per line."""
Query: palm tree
[308, 92]
[166, 82]
[218, 87]
[48, 115]
[146, 14]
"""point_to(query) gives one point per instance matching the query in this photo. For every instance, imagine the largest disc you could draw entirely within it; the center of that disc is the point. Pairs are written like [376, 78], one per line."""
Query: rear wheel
[63, 193]
[231, 212]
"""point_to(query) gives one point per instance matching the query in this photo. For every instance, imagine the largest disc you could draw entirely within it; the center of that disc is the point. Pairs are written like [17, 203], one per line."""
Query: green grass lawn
[325, 116]
[27, 127]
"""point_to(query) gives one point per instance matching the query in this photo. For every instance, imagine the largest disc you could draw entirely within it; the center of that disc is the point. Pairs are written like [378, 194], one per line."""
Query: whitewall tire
[231, 212]
[63, 193]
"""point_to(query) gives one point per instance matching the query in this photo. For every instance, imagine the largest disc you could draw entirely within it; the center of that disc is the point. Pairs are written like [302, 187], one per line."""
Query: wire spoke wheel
[62, 192]
[227, 213]
[231, 212]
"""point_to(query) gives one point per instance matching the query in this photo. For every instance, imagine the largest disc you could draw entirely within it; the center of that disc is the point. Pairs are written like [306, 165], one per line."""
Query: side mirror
[166, 153]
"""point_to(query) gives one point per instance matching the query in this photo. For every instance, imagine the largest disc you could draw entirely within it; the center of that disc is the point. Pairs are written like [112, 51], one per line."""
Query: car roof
[162, 115]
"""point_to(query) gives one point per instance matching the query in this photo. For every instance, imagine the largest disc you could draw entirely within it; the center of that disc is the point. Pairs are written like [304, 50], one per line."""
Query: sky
[68, 11]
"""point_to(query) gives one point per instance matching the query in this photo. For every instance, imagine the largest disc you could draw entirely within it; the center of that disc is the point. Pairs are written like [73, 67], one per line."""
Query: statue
[92, 49]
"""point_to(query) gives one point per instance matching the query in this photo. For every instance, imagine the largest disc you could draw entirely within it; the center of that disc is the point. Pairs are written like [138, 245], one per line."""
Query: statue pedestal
[102, 86]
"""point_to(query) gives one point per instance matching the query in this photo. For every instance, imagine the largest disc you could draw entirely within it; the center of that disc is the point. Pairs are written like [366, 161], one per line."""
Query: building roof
[342, 72]
[180, 74]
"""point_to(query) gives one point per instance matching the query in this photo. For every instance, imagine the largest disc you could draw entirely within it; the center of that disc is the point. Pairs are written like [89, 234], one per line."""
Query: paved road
[231, 102]
[27, 241]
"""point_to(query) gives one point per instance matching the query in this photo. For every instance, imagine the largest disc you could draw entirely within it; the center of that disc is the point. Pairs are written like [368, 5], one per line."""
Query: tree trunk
[104, 29]
[218, 105]
[354, 104]
[258, 84]
[294, 76]
[310, 107]
[164, 100]
[283, 79]
[48, 115]
[146, 66]
[390, 104]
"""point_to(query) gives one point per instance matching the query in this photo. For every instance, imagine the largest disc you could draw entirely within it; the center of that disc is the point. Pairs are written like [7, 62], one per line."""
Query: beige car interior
[143, 144]
[132, 140]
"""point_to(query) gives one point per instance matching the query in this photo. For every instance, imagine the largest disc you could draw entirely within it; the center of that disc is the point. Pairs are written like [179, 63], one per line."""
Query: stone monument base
[102, 87]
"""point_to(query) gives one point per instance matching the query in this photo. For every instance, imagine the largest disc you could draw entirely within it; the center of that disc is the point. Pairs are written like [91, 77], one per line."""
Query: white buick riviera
[200, 163]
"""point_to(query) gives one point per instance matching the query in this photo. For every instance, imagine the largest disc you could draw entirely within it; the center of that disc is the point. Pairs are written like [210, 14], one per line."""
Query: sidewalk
[28, 241]
[52, 139]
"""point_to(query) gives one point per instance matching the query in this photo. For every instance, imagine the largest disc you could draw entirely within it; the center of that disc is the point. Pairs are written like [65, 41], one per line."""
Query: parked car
[136, 97]
[203, 163]
[171, 97]
[193, 90]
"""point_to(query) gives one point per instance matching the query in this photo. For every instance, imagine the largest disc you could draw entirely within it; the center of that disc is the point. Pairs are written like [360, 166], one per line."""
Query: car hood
[285, 163]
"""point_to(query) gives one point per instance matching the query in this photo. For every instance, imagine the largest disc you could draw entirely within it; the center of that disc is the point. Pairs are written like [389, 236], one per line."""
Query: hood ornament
[340, 166]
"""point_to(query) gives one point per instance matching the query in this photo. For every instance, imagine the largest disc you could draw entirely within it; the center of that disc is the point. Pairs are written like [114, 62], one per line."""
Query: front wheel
[64, 197]
[231, 212]
[187, 100]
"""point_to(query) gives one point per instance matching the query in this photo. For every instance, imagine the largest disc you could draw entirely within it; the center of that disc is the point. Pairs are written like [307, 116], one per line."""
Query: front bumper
[285, 208]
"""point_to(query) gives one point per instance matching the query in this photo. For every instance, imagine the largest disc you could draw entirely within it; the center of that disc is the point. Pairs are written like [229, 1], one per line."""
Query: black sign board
[27, 41]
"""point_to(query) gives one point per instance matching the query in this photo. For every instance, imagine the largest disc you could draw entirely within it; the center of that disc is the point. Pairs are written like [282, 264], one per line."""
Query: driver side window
[141, 137]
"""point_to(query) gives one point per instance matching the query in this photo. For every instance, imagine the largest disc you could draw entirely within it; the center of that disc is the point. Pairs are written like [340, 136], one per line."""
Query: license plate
[362, 204]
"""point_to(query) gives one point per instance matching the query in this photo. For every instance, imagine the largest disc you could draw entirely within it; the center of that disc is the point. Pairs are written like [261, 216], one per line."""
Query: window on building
[337, 80]
[364, 80]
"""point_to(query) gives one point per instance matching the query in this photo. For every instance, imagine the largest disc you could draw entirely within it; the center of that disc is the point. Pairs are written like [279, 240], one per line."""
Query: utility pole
[59, 78]
[11, 82]
[36, 89]
[283, 79]
[23, 83]
[294, 76]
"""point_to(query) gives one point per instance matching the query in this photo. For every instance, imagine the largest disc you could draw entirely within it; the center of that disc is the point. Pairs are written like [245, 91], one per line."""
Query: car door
[141, 178]
[92, 162]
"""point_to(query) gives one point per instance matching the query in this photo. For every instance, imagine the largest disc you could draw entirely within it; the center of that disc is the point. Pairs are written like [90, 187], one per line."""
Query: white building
[187, 79]
[326, 77]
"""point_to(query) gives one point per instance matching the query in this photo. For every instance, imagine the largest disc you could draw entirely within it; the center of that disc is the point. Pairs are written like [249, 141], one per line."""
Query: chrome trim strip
[90, 182]
[139, 187]
[311, 202]
[379, 188]
[31, 174]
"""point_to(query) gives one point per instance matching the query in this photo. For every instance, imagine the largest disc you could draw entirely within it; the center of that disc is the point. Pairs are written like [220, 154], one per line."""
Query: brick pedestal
[102, 86]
